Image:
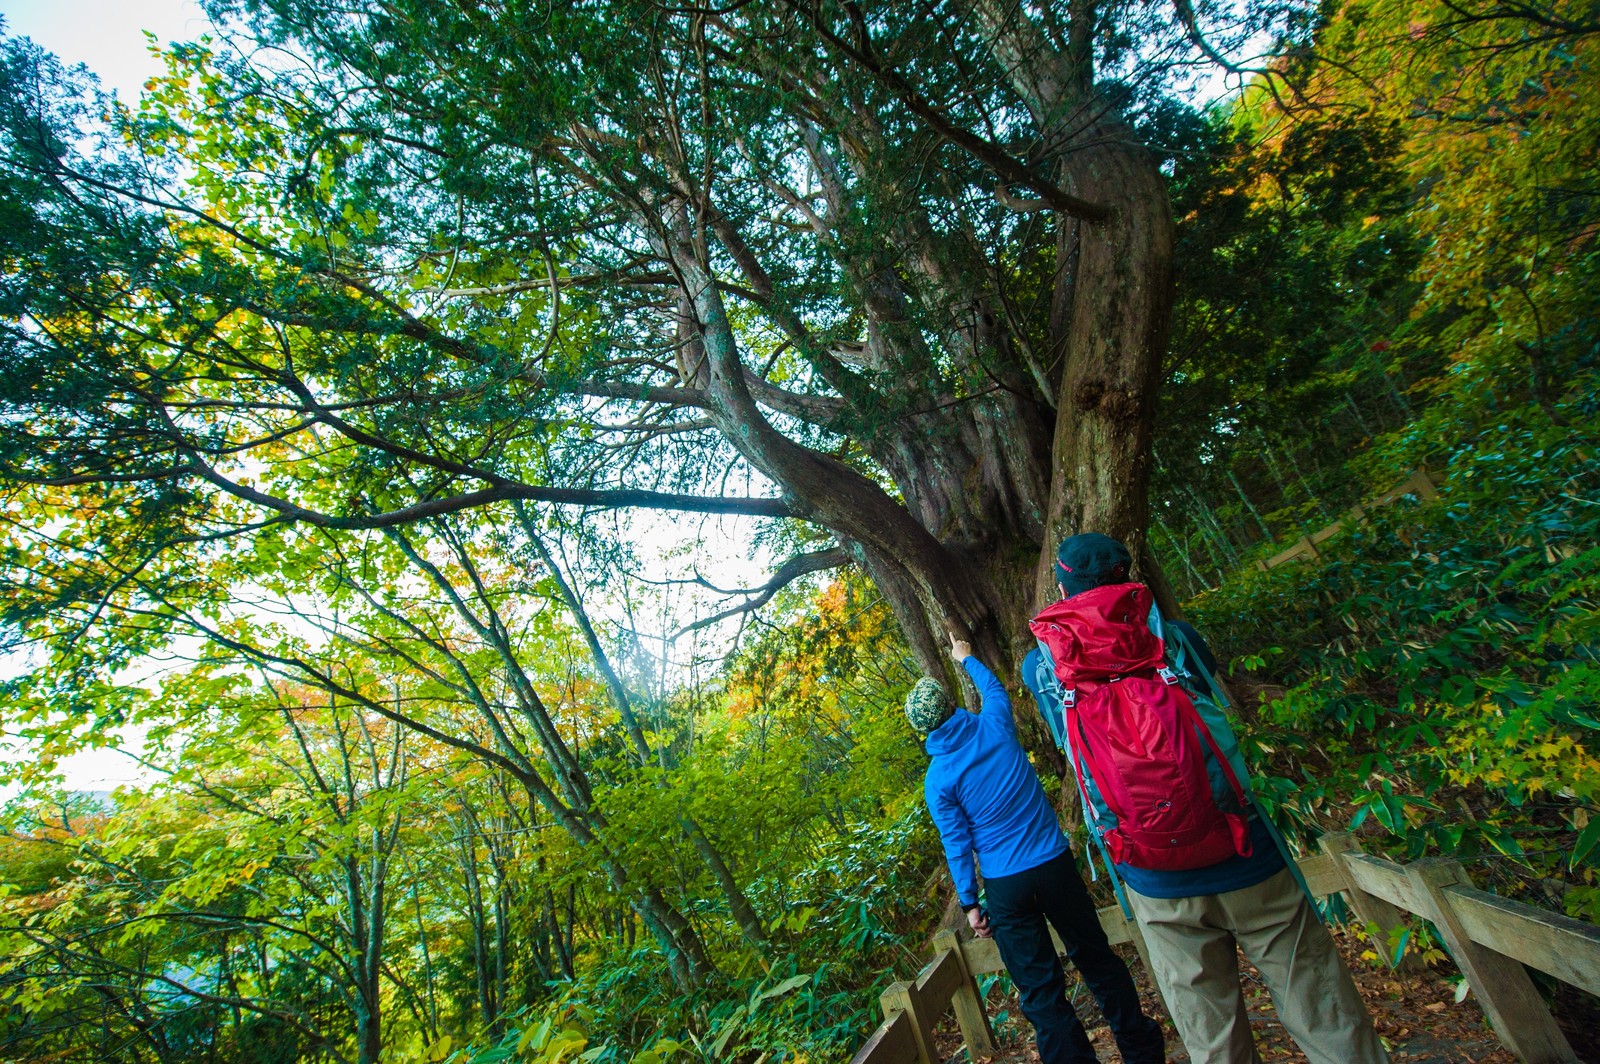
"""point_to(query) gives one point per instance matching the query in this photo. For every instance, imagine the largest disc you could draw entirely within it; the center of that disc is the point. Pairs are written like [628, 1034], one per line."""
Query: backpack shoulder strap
[1055, 718]
[1210, 703]
[1183, 657]
[1192, 714]
[1046, 682]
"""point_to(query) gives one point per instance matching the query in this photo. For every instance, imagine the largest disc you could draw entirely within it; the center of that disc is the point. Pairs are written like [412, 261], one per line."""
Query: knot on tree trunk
[1095, 395]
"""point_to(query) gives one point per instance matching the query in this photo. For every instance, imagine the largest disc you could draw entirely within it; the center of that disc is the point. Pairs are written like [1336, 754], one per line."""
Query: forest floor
[1416, 1014]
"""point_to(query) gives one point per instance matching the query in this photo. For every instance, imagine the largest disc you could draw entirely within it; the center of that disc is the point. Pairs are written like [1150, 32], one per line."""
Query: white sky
[106, 35]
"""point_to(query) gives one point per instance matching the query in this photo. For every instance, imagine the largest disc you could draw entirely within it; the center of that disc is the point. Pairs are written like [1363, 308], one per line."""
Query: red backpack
[1138, 735]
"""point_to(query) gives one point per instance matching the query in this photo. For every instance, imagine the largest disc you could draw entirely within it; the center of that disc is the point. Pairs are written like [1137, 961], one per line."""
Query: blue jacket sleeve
[992, 695]
[955, 831]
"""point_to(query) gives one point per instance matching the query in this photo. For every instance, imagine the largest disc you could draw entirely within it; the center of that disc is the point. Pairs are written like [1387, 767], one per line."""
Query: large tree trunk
[995, 483]
[1121, 307]
[1055, 444]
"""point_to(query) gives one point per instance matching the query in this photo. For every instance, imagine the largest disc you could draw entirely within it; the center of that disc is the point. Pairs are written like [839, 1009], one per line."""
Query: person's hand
[978, 920]
[960, 649]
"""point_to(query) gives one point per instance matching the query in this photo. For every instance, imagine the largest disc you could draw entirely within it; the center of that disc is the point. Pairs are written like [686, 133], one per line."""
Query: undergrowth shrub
[1441, 665]
[854, 919]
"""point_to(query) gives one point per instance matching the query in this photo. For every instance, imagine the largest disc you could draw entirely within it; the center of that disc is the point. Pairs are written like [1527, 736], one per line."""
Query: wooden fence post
[1508, 996]
[902, 997]
[968, 1003]
[1369, 908]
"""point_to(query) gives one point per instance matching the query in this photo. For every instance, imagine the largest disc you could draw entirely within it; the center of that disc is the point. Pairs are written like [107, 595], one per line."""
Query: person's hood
[953, 734]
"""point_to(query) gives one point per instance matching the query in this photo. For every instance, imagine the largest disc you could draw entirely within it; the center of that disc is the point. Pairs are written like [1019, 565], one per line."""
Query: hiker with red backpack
[1131, 700]
[987, 803]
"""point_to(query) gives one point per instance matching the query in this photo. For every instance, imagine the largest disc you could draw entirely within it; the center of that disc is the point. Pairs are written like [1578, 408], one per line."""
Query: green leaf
[729, 1029]
[1458, 690]
[1587, 838]
[1399, 951]
[794, 982]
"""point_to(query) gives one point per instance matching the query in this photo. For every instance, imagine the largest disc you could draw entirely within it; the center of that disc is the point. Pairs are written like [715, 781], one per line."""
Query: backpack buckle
[1069, 697]
[1168, 677]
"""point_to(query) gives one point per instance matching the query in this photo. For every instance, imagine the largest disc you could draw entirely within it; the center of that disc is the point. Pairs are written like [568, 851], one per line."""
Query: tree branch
[605, 499]
[786, 574]
[991, 155]
[815, 409]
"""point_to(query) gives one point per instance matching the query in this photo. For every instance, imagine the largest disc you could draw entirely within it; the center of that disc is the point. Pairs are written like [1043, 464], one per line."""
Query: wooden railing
[1417, 483]
[1489, 937]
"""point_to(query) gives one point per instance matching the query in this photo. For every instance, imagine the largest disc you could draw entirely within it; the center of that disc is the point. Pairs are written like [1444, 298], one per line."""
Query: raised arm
[991, 694]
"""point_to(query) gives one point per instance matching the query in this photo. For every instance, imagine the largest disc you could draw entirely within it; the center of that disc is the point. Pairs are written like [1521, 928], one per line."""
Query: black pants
[1019, 905]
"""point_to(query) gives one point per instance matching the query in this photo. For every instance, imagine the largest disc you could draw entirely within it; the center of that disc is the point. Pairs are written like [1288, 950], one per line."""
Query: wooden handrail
[891, 1043]
[1417, 483]
[1489, 937]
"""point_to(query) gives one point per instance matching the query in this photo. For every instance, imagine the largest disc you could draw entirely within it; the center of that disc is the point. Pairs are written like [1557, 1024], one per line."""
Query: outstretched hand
[960, 649]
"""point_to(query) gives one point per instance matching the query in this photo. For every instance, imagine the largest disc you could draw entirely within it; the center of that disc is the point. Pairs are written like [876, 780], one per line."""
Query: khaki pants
[1191, 943]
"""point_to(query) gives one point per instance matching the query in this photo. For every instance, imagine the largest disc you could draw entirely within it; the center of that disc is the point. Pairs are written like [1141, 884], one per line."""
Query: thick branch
[619, 498]
[782, 577]
[815, 409]
[1012, 202]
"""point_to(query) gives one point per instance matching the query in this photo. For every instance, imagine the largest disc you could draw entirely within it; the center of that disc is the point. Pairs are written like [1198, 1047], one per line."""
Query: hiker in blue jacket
[1196, 920]
[992, 813]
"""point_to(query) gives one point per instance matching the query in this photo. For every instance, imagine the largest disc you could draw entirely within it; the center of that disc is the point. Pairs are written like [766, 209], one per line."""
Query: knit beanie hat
[927, 706]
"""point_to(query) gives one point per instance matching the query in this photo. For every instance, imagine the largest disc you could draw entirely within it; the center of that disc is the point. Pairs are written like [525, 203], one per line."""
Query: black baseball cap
[1089, 560]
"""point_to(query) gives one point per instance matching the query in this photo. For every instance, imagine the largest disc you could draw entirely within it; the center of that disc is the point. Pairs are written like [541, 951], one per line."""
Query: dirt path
[1418, 1016]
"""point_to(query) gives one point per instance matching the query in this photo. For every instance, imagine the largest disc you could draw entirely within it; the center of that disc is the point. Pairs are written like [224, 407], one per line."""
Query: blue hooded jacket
[984, 795]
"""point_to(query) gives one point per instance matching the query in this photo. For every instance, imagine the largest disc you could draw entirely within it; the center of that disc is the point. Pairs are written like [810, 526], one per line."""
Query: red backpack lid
[1099, 633]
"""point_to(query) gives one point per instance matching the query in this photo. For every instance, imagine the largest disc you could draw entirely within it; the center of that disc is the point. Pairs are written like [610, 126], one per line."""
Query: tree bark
[1122, 294]
[744, 914]
[988, 486]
